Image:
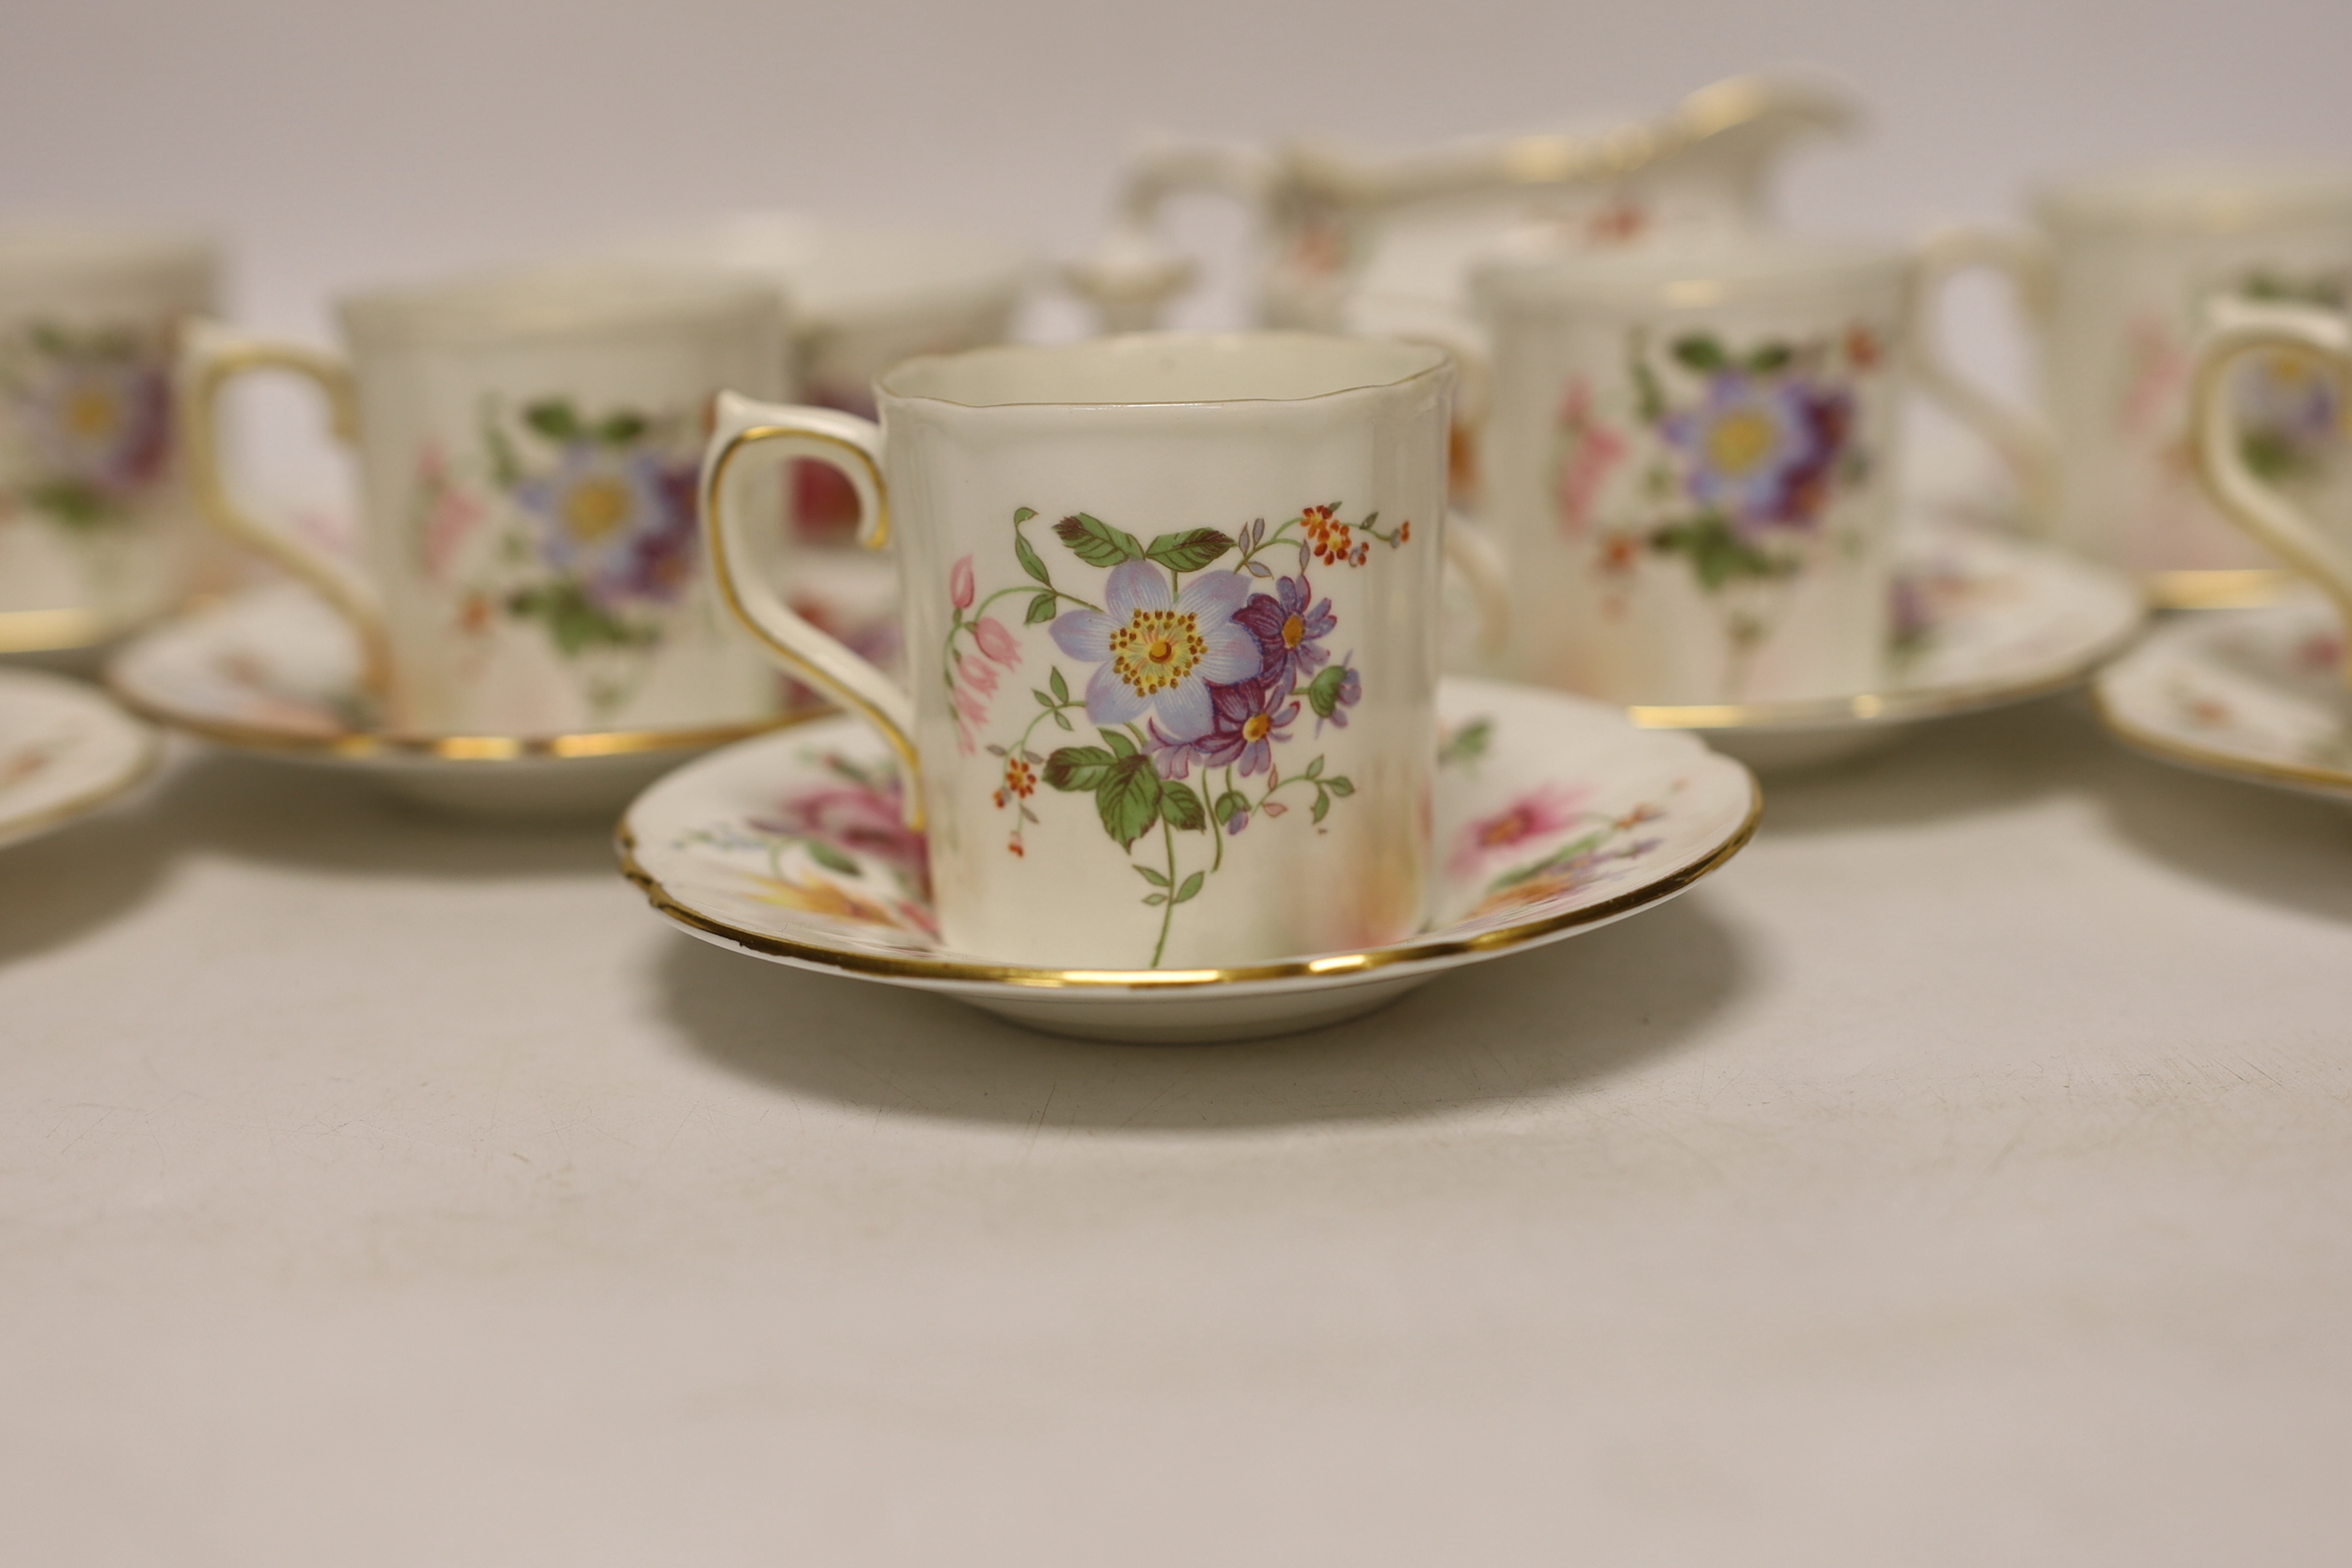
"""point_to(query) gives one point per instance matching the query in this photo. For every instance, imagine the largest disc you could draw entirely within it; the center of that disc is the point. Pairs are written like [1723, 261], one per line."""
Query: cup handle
[853, 447]
[2024, 440]
[212, 357]
[1473, 554]
[2237, 328]
[1471, 551]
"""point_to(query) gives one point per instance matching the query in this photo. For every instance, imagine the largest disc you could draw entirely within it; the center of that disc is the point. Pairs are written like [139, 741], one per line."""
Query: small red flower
[1404, 530]
[1020, 777]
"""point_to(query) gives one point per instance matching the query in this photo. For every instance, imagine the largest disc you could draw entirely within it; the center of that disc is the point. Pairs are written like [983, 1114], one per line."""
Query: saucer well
[274, 673]
[1981, 620]
[2247, 694]
[65, 750]
[1553, 816]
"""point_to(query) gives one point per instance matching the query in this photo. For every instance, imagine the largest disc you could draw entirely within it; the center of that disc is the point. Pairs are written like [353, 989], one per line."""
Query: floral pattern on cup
[1226, 673]
[1737, 458]
[584, 528]
[90, 415]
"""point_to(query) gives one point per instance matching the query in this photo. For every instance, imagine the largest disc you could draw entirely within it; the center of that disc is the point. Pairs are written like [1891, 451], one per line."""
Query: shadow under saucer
[1529, 1024]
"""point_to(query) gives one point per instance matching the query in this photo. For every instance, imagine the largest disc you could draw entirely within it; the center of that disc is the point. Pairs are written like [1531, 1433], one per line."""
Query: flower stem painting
[1200, 667]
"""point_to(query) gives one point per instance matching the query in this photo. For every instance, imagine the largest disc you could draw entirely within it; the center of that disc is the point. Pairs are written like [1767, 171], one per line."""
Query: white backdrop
[339, 143]
[1960, 1177]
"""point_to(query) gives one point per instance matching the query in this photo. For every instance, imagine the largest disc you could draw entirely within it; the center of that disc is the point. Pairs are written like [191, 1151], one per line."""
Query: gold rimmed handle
[853, 447]
[211, 359]
[2240, 330]
[2024, 439]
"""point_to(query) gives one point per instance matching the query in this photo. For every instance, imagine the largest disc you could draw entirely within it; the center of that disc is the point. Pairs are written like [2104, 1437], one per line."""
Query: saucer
[65, 750]
[1981, 620]
[1553, 816]
[2248, 694]
[274, 673]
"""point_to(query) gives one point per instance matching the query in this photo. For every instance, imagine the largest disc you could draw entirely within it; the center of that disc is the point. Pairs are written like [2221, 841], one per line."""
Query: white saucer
[2249, 694]
[273, 672]
[1553, 816]
[1982, 620]
[65, 750]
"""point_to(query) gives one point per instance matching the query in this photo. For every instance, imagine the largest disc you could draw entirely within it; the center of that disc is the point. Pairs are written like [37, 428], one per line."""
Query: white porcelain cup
[2310, 349]
[96, 531]
[528, 444]
[1691, 466]
[1172, 614]
[2114, 278]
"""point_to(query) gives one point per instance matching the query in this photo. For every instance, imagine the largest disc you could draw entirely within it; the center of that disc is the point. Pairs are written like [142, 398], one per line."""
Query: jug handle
[1134, 270]
[2023, 440]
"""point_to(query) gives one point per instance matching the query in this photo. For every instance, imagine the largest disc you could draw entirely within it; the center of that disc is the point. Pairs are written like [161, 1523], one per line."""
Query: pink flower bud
[995, 641]
[978, 674]
[959, 584]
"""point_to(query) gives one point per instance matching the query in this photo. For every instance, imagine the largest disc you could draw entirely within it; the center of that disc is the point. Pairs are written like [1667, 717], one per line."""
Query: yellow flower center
[2288, 369]
[1293, 632]
[92, 413]
[1740, 440]
[1156, 649]
[595, 509]
[1255, 726]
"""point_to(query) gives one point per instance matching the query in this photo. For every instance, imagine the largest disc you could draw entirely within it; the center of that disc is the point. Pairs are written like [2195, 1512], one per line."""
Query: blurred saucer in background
[274, 673]
[2247, 694]
[1981, 620]
[65, 750]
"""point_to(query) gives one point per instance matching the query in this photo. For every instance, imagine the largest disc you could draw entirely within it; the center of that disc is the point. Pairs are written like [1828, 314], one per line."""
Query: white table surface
[1960, 1177]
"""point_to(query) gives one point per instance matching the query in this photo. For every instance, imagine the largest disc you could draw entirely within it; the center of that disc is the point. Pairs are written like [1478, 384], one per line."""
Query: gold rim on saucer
[15, 830]
[2172, 749]
[1324, 967]
[55, 631]
[355, 744]
[2243, 588]
[1881, 707]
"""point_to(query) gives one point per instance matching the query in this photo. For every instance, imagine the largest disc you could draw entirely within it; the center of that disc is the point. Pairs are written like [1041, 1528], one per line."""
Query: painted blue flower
[1289, 624]
[102, 421]
[1762, 450]
[2288, 398]
[1157, 653]
[621, 523]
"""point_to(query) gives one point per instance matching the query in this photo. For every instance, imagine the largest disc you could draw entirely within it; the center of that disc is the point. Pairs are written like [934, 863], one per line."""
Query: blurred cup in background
[96, 531]
[526, 444]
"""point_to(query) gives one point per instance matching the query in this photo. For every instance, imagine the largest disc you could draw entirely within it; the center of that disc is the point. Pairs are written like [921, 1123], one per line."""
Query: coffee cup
[528, 442]
[96, 531]
[1692, 467]
[1171, 608]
